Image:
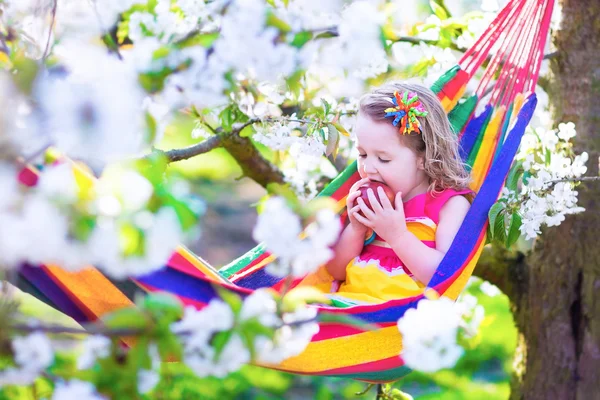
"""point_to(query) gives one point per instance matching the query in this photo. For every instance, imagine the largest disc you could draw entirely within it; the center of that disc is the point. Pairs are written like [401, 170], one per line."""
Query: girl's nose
[369, 168]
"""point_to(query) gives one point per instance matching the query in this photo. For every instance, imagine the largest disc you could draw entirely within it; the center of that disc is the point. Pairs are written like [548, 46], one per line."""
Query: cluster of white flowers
[357, 49]
[310, 14]
[548, 158]
[471, 313]
[33, 354]
[28, 217]
[93, 348]
[198, 328]
[85, 114]
[429, 335]
[76, 390]
[280, 230]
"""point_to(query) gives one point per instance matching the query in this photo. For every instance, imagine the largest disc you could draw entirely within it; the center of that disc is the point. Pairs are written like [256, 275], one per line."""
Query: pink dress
[377, 274]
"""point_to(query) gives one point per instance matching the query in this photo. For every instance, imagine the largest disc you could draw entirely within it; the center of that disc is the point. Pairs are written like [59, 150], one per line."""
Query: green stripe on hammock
[444, 79]
[477, 146]
[460, 114]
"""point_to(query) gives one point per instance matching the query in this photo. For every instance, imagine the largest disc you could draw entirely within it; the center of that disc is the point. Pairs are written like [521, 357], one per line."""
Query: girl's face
[383, 158]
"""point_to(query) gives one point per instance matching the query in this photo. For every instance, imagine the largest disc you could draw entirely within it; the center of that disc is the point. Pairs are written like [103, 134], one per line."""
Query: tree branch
[209, 144]
[47, 49]
[582, 179]
[88, 330]
[505, 269]
[253, 164]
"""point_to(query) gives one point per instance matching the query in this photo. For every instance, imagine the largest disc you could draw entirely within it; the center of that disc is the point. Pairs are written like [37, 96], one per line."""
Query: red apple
[375, 185]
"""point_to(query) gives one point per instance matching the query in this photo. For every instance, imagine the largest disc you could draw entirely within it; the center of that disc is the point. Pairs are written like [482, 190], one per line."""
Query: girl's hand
[387, 221]
[354, 208]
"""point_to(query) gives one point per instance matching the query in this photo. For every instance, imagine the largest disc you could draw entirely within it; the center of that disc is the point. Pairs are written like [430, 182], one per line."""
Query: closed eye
[384, 161]
[362, 155]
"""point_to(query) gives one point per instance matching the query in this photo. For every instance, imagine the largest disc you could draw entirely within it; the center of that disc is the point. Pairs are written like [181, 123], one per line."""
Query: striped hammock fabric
[490, 123]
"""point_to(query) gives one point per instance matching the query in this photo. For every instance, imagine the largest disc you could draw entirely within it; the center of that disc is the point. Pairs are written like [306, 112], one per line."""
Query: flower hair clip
[407, 109]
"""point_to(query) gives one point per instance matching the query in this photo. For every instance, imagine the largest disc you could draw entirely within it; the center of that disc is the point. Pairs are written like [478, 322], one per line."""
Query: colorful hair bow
[407, 109]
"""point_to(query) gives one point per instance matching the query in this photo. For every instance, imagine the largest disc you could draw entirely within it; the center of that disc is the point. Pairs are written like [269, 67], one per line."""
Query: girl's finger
[375, 204]
[363, 220]
[359, 183]
[365, 210]
[355, 209]
[385, 202]
[398, 202]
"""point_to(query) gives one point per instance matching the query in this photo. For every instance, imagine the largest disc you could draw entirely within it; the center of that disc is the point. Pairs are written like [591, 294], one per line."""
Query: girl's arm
[352, 239]
[349, 246]
[422, 260]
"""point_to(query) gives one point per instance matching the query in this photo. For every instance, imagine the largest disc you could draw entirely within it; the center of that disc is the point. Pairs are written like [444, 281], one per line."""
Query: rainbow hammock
[511, 50]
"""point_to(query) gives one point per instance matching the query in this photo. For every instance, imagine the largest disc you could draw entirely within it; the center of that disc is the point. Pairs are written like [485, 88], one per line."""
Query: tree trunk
[558, 311]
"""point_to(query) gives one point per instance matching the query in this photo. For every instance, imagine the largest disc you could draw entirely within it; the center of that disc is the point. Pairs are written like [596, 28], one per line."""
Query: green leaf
[294, 82]
[232, 299]
[326, 106]
[438, 10]
[24, 72]
[275, 21]
[302, 295]
[132, 240]
[341, 129]
[514, 175]
[205, 40]
[132, 318]
[226, 119]
[151, 128]
[83, 226]
[170, 348]
[301, 38]
[325, 317]
[284, 190]
[548, 157]
[219, 341]
[333, 140]
[493, 216]
[514, 230]
[500, 228]
[163, 306]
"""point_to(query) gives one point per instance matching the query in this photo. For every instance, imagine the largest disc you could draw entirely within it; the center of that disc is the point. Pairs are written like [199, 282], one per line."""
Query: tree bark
[558, 314]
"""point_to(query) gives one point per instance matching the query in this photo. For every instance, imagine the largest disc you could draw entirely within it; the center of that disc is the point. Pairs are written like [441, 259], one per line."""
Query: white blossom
[471, 313]
[260, 304]
[429, 335]
[94, 347]
[291, 338]
[279, 228]
[33, 352]
[147, 380]
[76, 390]
[58, 182]
[95, 112]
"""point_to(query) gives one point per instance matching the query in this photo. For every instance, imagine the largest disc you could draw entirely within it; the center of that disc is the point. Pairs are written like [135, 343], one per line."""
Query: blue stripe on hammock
[181, 284]
[472, 132]
[258, 279]
[477, 217]
[61, 301]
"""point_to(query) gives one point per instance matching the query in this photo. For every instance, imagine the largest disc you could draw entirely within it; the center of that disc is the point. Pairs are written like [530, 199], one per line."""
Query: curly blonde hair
[437, 143]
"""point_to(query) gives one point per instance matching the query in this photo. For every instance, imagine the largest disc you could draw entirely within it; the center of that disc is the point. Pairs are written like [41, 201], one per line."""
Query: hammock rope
[512, 47]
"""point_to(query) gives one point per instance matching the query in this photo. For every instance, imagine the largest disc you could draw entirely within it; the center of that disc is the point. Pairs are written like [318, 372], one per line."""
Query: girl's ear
[421, 163]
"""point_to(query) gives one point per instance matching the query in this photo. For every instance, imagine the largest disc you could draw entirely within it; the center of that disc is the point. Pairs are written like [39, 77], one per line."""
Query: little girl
[405, 141]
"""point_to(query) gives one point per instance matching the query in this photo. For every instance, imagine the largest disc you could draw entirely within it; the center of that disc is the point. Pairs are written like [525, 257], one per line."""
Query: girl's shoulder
[455, 199]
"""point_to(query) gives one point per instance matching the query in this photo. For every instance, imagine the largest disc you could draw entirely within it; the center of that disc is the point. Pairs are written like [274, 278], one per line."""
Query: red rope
[501, 58]
[476, 55]
[512, 73]
[542, 44]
